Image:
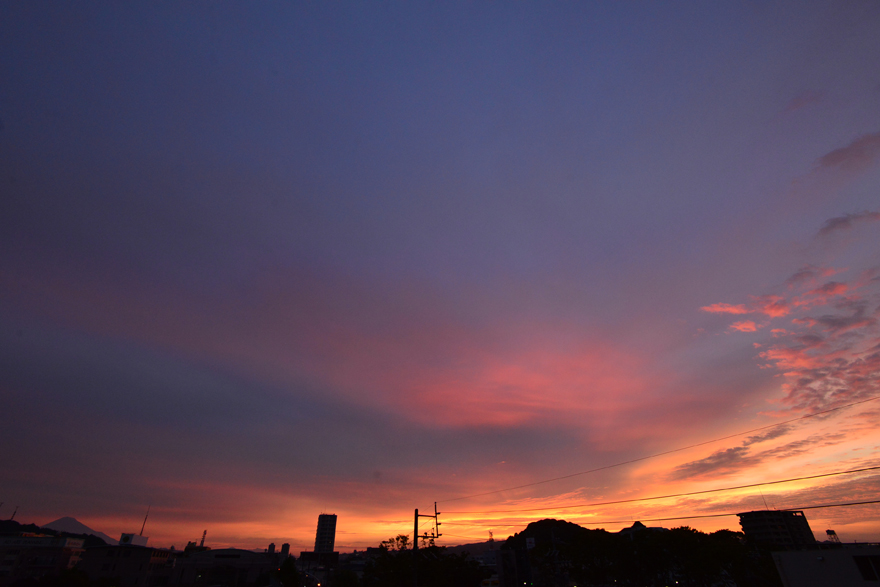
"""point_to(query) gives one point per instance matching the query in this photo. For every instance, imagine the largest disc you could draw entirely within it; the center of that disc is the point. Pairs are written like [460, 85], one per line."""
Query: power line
[584, 505]
[660, 454]
[809, 507]
[498, 524]
[460, 536]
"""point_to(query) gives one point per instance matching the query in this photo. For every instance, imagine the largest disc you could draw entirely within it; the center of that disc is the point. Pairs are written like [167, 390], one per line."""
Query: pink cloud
[771, 305]
[833, 362]
[822, 295]
[744, 326]
[399, 349]
[832, 288]
[595, 383]
[722, 308]
[825, 358]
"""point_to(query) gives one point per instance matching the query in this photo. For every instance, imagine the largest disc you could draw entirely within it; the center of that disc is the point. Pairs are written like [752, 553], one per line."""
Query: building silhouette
[325, 537]
[30, 557]
[128, 565]
[222, 567]
[320, 561]
[779, 528]
[839, 565]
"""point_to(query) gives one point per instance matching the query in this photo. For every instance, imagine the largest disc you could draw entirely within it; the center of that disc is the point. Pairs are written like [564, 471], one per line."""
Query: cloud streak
[861, 154]
[847, 222]
[772, 306]
[737, 459]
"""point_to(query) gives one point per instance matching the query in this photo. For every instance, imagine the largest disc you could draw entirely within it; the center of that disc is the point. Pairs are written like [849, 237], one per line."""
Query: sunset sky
[261, 261]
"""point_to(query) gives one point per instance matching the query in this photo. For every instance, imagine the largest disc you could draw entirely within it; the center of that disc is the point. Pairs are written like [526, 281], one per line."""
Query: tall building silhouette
[785, 528]
[323, 558]
[325, 537]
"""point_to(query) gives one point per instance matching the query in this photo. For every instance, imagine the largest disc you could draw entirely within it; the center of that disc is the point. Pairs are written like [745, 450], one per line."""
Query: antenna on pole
[145, 521]
[437, 533]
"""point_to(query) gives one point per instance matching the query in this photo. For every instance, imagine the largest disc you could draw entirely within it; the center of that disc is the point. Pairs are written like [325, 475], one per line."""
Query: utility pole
[415, 549]
[416, 530]
[435, 533]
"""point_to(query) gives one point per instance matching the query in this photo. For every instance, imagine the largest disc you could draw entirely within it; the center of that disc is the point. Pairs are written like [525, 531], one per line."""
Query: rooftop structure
[781, 528]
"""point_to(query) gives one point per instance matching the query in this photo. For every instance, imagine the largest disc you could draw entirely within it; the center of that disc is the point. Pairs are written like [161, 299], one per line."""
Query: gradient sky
[263, 261]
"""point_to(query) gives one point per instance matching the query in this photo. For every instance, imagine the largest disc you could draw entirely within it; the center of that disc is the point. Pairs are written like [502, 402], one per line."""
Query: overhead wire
[460, 536]
[694, 517]
[800, 508]
[686, 494]
[660, 454]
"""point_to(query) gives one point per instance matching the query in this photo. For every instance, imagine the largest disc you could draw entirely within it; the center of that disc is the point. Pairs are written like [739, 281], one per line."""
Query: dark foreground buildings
[777, 548]
[31, 558]
[839, 565]
[196, 566]
[802, 561]
[29, 555]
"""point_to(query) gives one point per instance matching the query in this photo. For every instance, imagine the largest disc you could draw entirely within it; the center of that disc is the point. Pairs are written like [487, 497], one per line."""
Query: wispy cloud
[772, 305]
[803, 100]
[859, 155]
[809, 274]
[722, 461]
[847, 222]
[769, 305]
[832, 288]
[775, 432]
[732, 460]
[836, 169]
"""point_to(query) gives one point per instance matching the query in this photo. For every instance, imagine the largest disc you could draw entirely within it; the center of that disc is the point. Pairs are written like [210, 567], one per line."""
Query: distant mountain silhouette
[74, 526]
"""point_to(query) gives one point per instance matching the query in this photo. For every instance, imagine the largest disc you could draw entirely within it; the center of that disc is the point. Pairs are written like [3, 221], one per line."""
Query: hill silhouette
[564, 553]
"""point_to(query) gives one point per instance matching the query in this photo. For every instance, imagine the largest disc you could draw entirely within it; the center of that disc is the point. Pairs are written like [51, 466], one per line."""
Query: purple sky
[259, 262]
